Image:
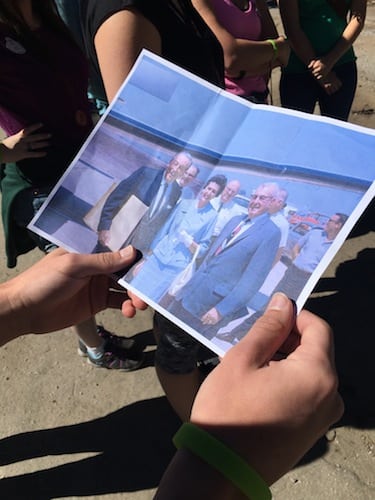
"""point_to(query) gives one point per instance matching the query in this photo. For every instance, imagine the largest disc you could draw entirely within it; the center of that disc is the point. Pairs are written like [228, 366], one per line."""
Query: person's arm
[25, 144]
[268, 412]
[289, 12]
[240, 55]
[64, 289]
[269, 32]
[114, 202]
[121, 38]
[331, 83]
[278, 256]
[295, 250]
[322, 66]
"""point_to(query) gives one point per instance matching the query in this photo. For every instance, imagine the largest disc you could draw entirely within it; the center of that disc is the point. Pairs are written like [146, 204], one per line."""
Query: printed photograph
[228, 201]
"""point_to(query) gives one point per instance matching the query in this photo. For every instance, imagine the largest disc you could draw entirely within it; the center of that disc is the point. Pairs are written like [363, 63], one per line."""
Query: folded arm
[241, 55]
[322, 66]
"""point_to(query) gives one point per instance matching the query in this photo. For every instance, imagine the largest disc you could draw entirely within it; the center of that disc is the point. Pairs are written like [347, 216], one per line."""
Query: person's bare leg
[106, 350]
[88, 333]
[180, 390]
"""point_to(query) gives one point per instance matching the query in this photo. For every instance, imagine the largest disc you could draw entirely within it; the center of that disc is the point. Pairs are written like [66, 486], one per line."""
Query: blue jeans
[301, 92]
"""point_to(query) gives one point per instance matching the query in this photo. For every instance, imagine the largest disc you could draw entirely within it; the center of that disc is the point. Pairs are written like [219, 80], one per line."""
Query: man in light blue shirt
[307, 253]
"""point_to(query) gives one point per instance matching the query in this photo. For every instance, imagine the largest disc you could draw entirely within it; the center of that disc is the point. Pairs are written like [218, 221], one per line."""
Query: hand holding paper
[273, 411]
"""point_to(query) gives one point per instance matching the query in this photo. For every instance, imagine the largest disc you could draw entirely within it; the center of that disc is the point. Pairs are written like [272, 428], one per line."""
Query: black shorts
[177, 351]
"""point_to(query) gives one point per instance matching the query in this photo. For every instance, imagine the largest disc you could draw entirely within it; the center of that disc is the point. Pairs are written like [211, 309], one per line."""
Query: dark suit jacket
[148, 227]
[228, 280]
[144, 184]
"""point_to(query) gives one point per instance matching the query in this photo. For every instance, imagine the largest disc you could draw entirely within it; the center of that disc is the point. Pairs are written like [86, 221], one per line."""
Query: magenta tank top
[241, 24]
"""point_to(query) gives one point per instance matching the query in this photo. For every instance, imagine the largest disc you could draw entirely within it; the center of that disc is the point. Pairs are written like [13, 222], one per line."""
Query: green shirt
[323, 27]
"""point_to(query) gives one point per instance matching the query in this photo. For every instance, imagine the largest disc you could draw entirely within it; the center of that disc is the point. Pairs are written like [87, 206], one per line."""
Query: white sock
[96, 352]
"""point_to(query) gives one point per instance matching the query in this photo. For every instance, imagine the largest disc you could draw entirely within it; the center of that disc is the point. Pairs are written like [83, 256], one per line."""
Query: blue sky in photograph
[170, 102]
[173, 103]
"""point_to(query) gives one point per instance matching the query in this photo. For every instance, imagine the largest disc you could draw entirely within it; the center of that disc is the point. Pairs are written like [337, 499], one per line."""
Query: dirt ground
[69, 430]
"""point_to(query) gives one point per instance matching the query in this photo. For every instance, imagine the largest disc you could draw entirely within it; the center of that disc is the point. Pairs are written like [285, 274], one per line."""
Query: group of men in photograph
[245, 243]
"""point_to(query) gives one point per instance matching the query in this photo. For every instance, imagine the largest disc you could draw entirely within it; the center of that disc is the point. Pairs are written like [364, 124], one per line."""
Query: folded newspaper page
[227, 200]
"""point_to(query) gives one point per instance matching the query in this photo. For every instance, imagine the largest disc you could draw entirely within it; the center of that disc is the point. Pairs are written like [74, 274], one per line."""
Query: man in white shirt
[276, 212]
[226, 206]
[185, 181]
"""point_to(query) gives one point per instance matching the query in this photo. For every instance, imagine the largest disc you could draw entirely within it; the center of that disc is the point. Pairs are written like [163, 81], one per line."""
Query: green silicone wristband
[274, 46]
[222, 458]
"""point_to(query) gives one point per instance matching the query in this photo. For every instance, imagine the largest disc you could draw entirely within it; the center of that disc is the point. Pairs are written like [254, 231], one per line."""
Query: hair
[220, 180]
[343, 218]
[273, 185]
[236, 181]
[196, 168]
[282, 195]
[186, 154]
[46, 10]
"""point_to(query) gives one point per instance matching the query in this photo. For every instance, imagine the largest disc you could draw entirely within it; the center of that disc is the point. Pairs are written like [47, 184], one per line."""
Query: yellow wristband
[218, 455]
[274, 46]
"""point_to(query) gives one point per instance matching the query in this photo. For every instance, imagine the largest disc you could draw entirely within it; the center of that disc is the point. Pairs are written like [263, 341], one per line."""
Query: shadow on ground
[347, 302]
[134, 446]
[349, 309]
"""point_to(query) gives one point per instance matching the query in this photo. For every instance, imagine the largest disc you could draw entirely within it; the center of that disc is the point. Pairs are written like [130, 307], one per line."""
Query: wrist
[256, 454]
[10, 313]
[275, 48]
[328, 62]
[211, 483]
[216, 451]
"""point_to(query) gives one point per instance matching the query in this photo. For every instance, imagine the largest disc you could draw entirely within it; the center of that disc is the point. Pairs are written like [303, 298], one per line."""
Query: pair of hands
[25, 144]
[64, 289]
[272, 412]
[322, 71]
[211, 317]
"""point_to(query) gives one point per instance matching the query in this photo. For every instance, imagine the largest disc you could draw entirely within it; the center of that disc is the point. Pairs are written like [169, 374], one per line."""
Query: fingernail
[126, 252]
[278, 301]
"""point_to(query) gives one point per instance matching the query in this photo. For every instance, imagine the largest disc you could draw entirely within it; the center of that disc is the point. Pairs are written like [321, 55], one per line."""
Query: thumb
[105, 263]
[268, 333]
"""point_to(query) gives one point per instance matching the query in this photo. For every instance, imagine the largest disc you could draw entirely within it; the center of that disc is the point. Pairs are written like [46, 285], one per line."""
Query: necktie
[158, 201]
[232, 235]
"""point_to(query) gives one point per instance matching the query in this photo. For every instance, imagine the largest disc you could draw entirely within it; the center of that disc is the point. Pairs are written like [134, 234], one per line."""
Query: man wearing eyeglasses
[234, 269]
[307, 253]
